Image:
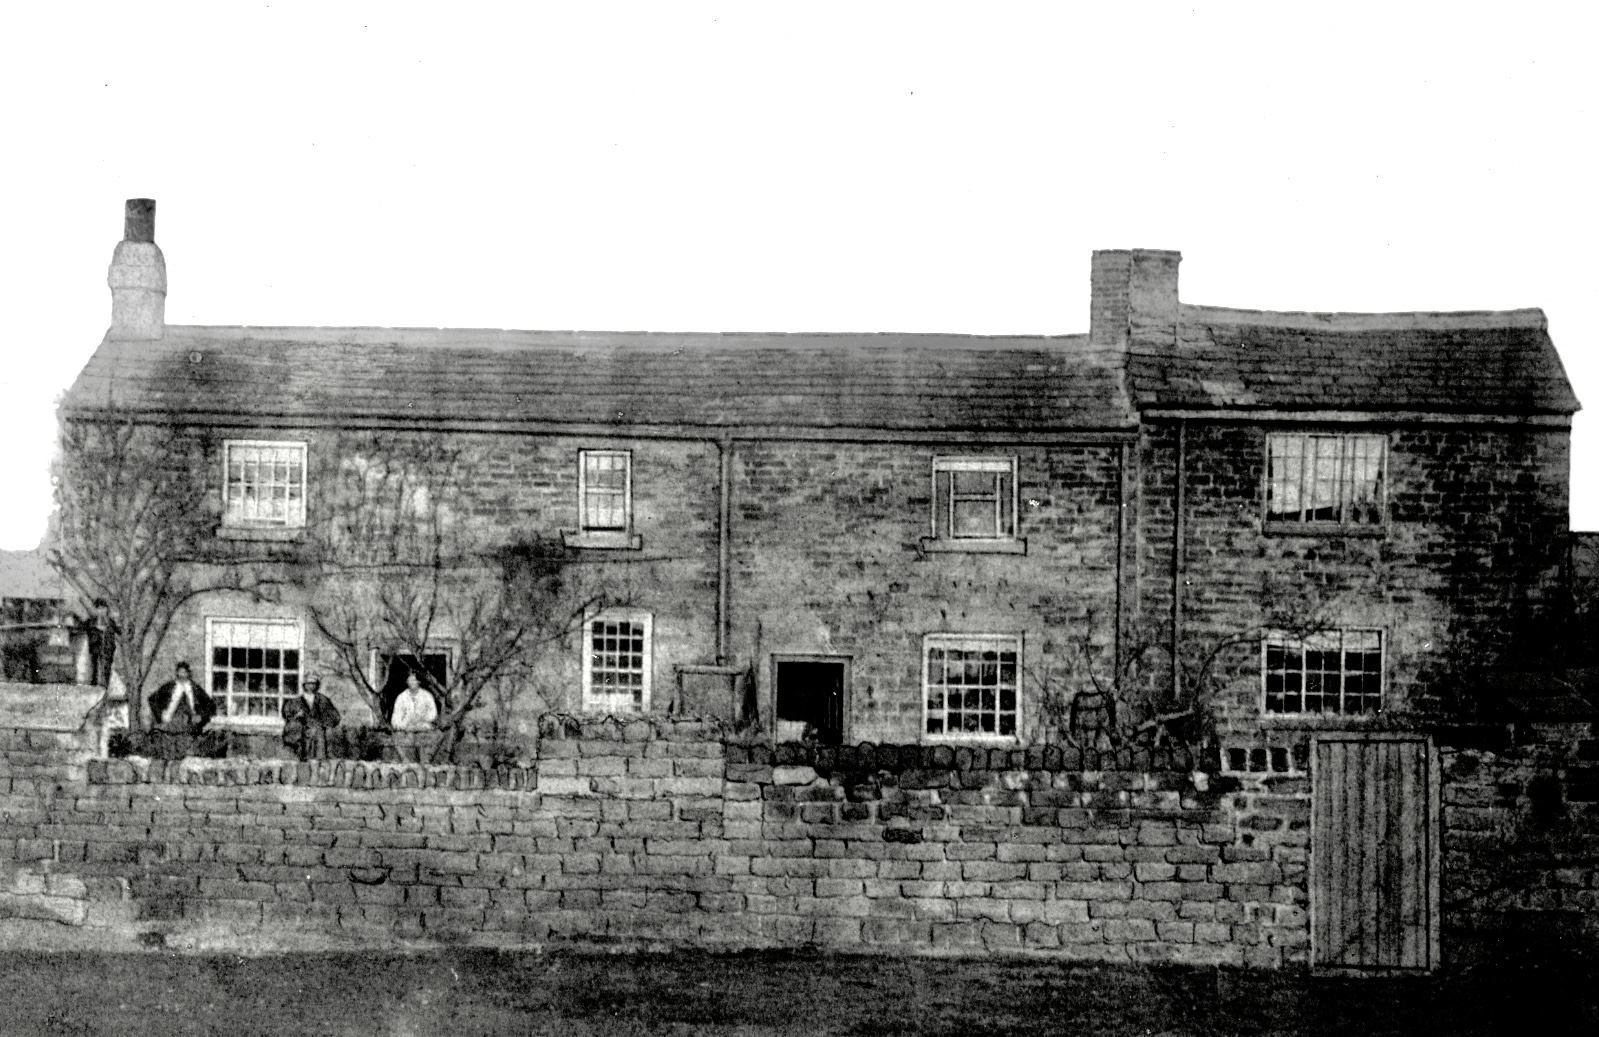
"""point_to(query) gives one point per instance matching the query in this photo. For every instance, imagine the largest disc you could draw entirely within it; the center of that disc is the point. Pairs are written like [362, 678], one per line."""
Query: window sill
[974, 546]
[602, 541]
[278, 534]
[976, 741]
[246, 725]
[1329, 721]
[1322, 529]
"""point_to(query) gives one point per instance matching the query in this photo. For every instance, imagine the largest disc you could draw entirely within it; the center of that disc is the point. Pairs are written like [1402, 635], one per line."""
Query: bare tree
[1132, 694]
[133, 530]
[398, 570]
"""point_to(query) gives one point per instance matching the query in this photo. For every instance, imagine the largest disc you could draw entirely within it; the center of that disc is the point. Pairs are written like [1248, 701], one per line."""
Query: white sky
[740, 167]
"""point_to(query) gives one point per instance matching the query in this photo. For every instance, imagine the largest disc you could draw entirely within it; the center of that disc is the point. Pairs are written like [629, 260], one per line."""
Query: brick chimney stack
[138, 277]
[1134, 301]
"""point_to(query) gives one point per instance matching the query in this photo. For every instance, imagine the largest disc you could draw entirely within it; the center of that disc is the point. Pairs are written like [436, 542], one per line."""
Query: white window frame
[587, 536]
[1285, 638]
[1341, 480]
[230, 719]
[596, 702]
[1015, 642]
[583, 491]
[291, 519]
[943, 539]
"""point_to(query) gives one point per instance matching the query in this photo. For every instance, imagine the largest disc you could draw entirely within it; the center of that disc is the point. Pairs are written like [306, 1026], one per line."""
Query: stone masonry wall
[826, 562]
[656, 833]
[505, 486]
[1521, 838]
[1464, 578]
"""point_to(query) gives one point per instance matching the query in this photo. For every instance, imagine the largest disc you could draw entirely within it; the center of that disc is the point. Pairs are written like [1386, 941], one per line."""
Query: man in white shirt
[412, 719]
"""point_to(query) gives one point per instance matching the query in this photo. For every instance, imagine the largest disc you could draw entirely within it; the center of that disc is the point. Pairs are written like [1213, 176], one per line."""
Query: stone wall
[1465, 578]
[658, 833]
[1521, 838]
[826, 562]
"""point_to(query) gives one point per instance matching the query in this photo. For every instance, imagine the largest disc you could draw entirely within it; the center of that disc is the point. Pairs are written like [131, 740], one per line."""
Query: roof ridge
[1440, 320]
[408, 335]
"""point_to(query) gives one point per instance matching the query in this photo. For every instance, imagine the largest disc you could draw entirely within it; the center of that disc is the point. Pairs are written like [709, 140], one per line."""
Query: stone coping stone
[321, 774]
[869, 756]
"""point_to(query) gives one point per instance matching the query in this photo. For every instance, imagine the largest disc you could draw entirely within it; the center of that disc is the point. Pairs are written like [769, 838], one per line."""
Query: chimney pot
[139, 224]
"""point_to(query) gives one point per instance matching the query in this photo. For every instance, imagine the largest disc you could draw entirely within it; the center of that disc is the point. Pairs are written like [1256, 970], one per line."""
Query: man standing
[179, 711]
[308, 719]
[102, 630]
[412, 719]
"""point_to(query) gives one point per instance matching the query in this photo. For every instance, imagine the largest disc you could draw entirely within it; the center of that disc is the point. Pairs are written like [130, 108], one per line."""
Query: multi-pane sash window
[255, 665]
[605, 479]
[974, 498]
[971, 686]
[1336, 479]
[616, 663]
[264, 484]
[1335, 671]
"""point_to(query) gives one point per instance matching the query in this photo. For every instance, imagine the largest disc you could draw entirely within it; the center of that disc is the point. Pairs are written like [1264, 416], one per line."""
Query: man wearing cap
[307, 719]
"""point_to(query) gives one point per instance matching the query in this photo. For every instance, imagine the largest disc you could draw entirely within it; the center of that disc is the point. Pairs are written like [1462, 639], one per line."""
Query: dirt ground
[484, 992]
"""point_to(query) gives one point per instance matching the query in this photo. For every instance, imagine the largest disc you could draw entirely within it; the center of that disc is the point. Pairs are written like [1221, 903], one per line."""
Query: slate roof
[886, 381]
[1226, 360]
[1481, 363]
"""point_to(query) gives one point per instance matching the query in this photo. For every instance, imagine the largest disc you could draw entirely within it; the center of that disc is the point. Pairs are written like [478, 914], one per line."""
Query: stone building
[913, 537]
[1251, 545]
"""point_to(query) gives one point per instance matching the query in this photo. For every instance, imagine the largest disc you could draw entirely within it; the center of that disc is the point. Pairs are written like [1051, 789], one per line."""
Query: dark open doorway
[812, 690]
[392, 669]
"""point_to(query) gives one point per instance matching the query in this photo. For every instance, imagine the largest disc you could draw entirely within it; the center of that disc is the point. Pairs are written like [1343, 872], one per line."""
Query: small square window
[263, 484]
[617, 663]
[1329, 481]
[971, 686]
[1334, 671]
[974, 506]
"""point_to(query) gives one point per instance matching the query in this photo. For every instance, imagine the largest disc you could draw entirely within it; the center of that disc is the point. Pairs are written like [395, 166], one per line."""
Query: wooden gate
[1374, 854]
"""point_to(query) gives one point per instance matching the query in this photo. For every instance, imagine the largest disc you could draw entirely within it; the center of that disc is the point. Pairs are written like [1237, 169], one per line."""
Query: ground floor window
[255, 665]
[971, 685]
[617, 663]
[1333, 671]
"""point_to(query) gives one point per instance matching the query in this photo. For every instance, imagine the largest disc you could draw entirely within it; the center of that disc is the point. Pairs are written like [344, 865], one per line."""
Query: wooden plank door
[1374, 854]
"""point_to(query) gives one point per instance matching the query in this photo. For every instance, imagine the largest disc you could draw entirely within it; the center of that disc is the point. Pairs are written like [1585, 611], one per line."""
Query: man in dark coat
[179, 711]
[102, 630]
[307, 719]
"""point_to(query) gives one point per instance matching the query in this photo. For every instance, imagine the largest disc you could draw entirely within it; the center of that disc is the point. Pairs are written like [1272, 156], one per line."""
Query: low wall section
[658, 833]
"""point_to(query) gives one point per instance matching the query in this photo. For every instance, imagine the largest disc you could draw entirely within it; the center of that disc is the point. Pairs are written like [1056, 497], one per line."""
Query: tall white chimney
[138, 277]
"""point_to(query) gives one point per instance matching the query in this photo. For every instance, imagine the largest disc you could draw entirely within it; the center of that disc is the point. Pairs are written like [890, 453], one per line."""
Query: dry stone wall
[659, 833]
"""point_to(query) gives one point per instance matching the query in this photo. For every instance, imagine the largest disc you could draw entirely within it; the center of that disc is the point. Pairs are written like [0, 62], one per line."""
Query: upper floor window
[617, 663]
[971, 685]
[1333, 671]
[974, 505]
[1325, 479]
[254, 664]
[264, 484]
[604, 500]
